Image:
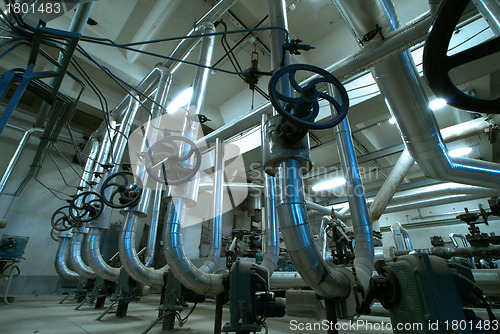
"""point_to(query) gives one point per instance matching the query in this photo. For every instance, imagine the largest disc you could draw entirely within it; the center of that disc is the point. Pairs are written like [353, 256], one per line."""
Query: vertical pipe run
[363, 235]
[191, 277]
[217, 205]
[16, 155]
[271, 228]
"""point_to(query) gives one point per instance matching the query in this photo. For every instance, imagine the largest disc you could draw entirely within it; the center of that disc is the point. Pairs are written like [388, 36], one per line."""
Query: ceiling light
[180, 100]
[392, 120]
[329, 184]
[437, 104]
[459, 152]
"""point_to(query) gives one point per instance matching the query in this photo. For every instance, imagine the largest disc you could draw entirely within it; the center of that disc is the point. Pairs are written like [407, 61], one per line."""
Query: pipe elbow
[61, 264]
[95, 258]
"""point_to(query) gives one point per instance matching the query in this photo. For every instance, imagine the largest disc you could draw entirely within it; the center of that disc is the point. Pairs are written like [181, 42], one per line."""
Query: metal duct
[398, 80]
[75, 250]
[16, 155]
[271, 247]
[93, 246]
[401, 237]
[191, 277]
[405, 161]
[218, 201]
[363, 234]
[490, 10]
[184, 48]
[128, 254]
[128, 237]
[291, 206]
[61, 265]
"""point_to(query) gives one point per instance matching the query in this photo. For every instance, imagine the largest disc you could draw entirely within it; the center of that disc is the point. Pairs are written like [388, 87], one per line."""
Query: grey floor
[33, 314]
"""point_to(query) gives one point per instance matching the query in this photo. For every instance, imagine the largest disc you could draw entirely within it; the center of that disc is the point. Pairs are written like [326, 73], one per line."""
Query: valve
[61, 221]
[437, 64]
[304, 109]
[173, 160]
[120, 190]
[89, 207]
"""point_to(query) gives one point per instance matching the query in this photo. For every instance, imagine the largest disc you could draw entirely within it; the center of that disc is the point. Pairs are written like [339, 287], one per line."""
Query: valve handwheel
[173, 160]
[61, 221]
[86, 207]
[120, 190]
[437, 64]
[308, 96]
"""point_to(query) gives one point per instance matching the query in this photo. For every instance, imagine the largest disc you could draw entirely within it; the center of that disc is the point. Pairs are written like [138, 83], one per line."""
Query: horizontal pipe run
[448, 253]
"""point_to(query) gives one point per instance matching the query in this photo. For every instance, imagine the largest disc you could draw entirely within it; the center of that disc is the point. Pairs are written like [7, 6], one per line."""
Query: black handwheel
[168, 160]
[308, 95]
[120, 190]
[54, 234]
[437, 64]
[86, 207]
[61, 221]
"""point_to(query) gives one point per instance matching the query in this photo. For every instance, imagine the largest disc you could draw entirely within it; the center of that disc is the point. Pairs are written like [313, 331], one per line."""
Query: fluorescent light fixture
[329, 184]
[392, 120]
[180, 100]
[437, 104]
[460, 152]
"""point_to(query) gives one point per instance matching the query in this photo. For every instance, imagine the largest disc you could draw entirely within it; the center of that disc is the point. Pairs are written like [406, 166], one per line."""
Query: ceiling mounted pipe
[398, 80]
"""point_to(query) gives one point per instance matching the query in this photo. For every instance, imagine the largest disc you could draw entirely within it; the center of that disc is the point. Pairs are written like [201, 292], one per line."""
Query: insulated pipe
[129, 257]
[405, 162]
[183, 269]
[128, 237]
[363, 234]
[398, 80]
[93, 246]
[185, 46]
[490, 10]
[271, 246]
[217, 205]
[291, 207]
[407, 36]
[153, 227]
[61, 264]
[297, 235]
[76, 262]
[401, 237]
[16, 155]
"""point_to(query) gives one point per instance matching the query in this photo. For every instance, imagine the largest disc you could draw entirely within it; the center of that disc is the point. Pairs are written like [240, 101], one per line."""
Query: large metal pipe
[184, 48]
[271, 249]
[129, 257]
[291, 207]
[61, 263]
[93, 252]
[363, 235]
[490, 10]
[398, 80]
[191, 277]
[15, 157]
[217, 210]
[97, 150]
[128, 236]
